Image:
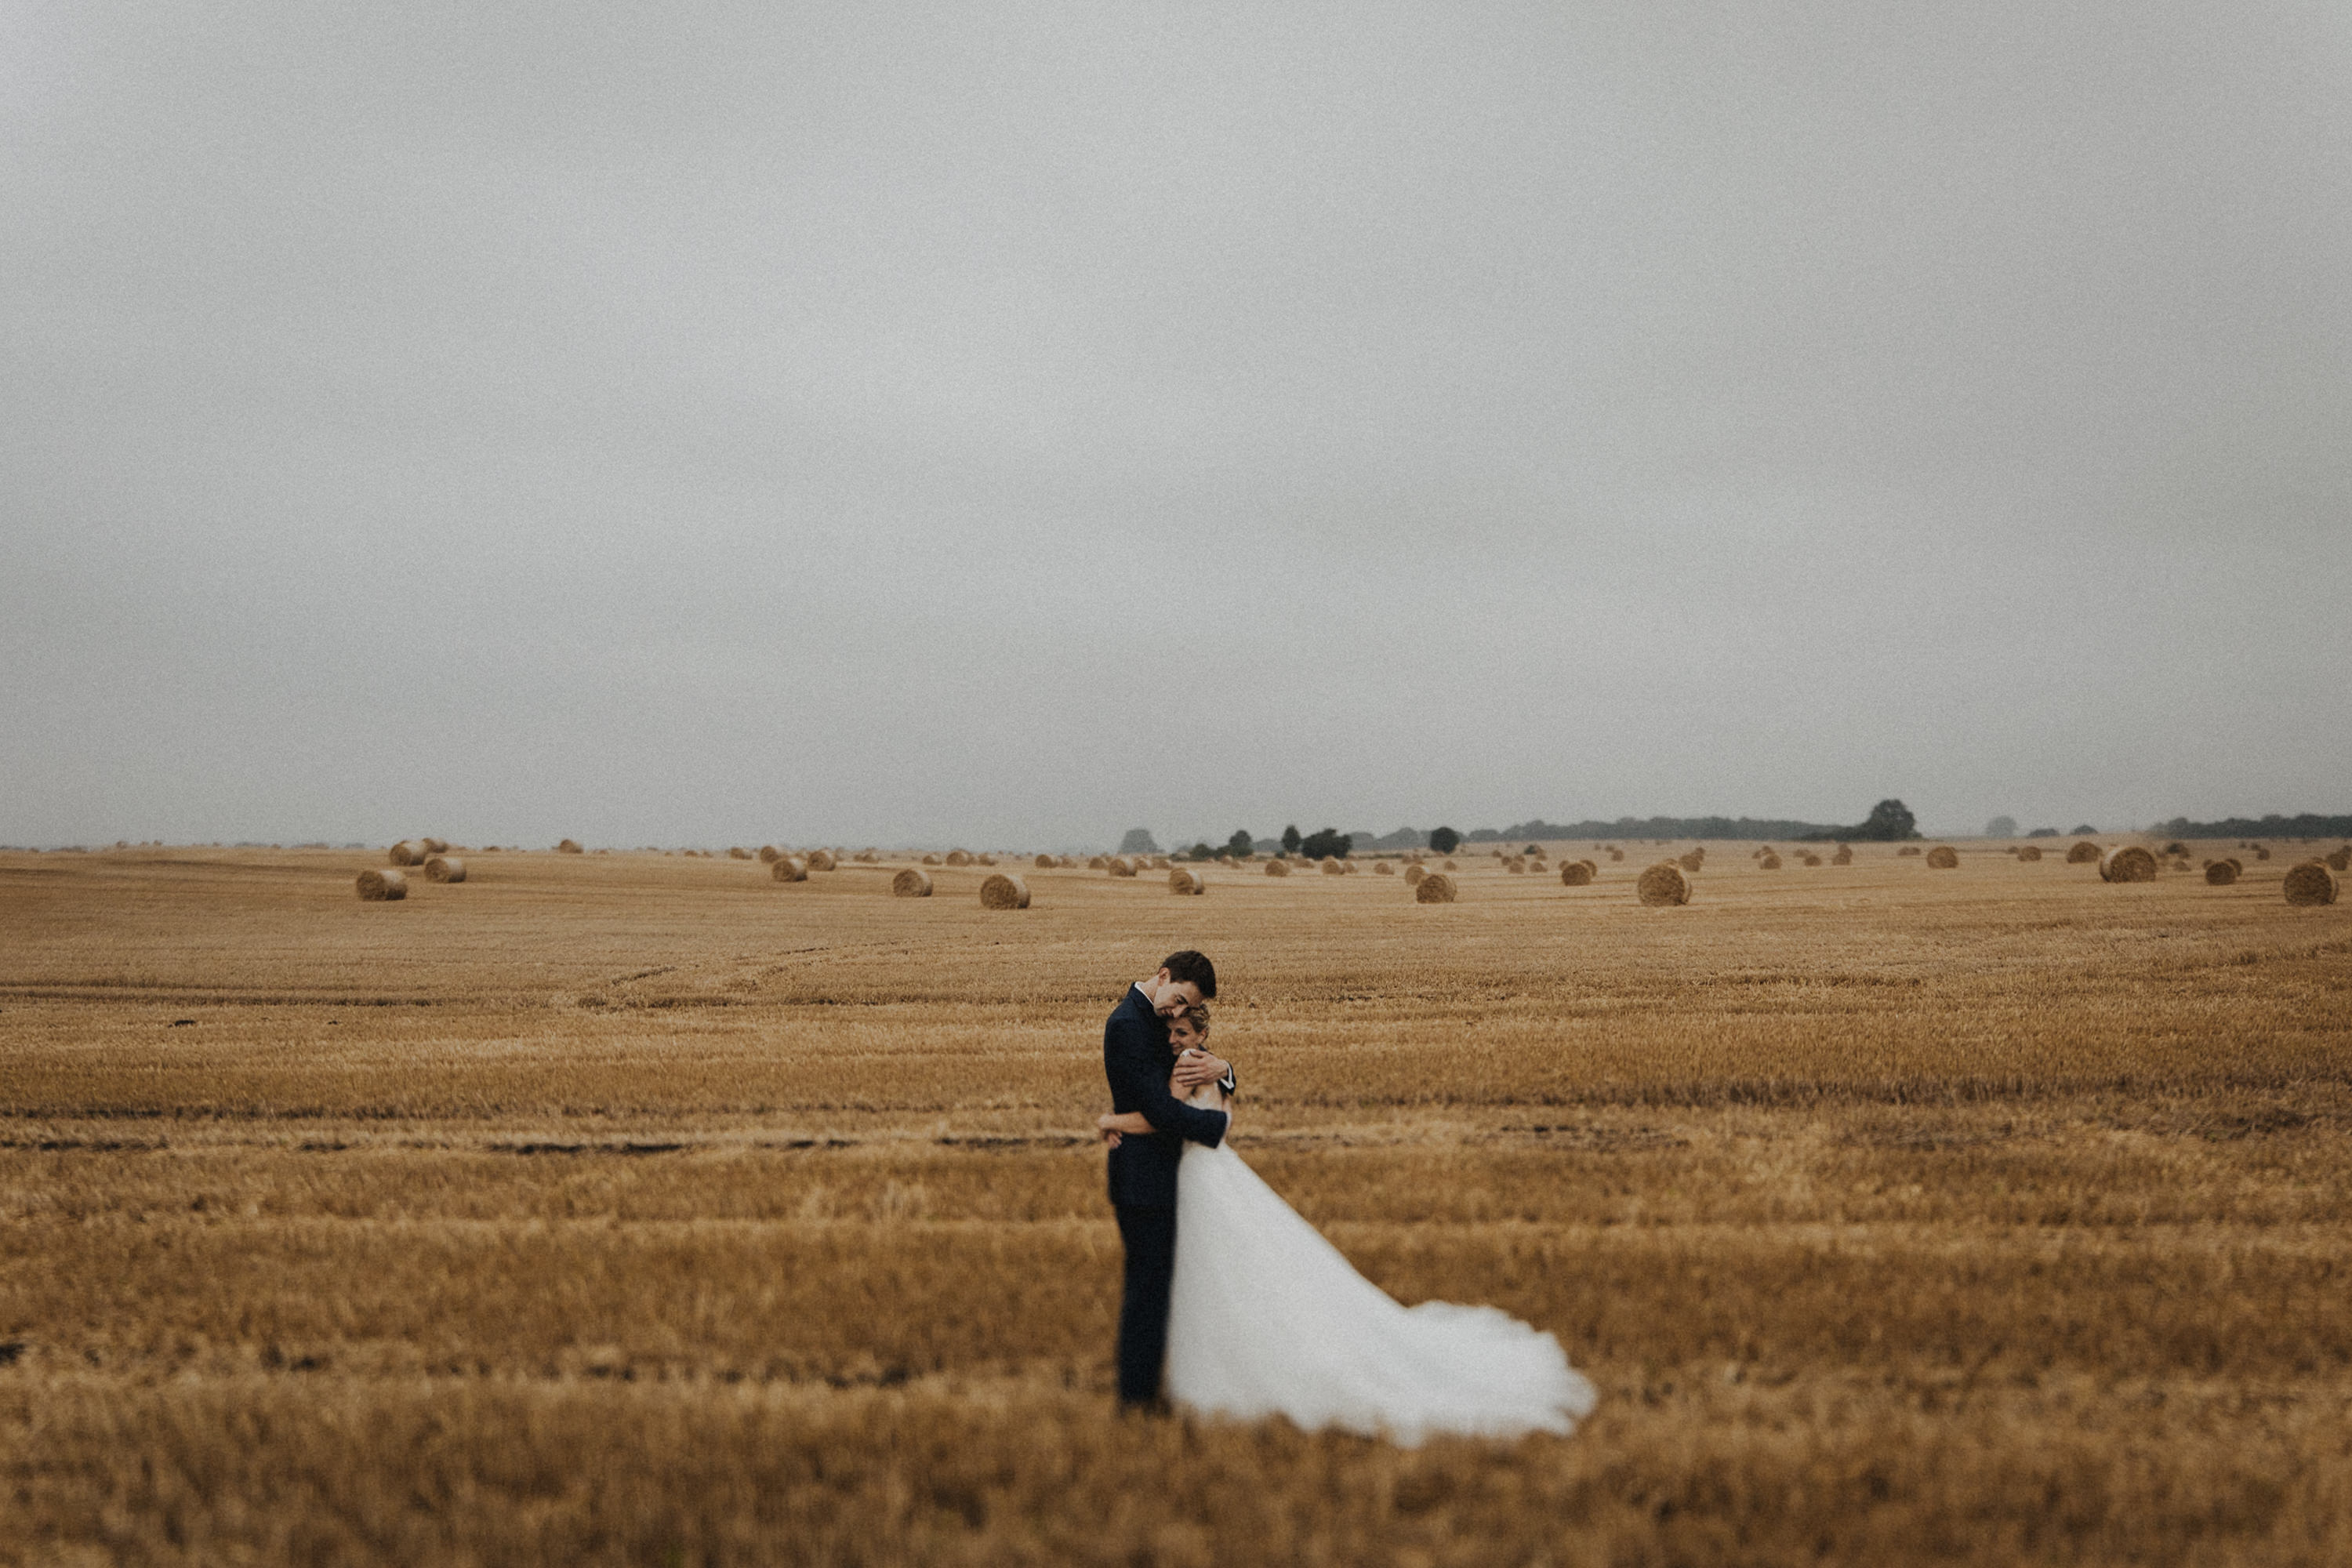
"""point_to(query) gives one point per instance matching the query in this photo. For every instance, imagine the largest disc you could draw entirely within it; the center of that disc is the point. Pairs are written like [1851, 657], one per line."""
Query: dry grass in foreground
[635, 1209]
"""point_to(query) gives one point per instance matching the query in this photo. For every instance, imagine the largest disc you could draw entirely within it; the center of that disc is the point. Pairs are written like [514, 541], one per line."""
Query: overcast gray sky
[1011, 424]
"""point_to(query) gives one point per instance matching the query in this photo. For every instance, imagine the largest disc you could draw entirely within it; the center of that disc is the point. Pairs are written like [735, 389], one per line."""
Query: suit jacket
[1136, 1060]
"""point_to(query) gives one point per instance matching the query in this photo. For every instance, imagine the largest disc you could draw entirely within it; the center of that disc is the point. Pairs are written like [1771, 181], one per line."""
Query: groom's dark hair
[1194, 967]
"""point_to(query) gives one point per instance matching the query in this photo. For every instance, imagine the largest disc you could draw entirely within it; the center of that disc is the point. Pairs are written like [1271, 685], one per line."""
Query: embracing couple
[1240, 1306]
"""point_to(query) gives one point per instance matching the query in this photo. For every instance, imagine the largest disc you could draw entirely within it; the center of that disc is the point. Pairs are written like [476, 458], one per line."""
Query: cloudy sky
[704, 424]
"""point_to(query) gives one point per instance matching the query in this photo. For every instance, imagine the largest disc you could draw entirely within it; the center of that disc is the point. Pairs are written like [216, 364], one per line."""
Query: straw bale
[1098, 863]
[1349, 867]
[2341, 860]
[1384, 868]
[821, 860]
[930, 859]
[788, 868]
[866, 857]
[955, 858]
[1576, 873]
[1436, 888]
[2029, 852]
[1942, 857]
[1120, 865]
[1449, 866]
[433, 845]
[406, 854]
[1844, 856]
[1692, 861]
[382, 886]
[738, 853]
[1044, 862]
[1770, 863]
[2220, 873]
[1616, 856]
[444, 868]
[2310, 884]
[1663, 885]
[1907, 849]
[1516, 867]
[569, 846]
[1331, 867]
[770, 854]
[1415, 873]
[2260, 853]
[983, 859]
[2128, 863]
[1184, 879]
[1809, 858]
[911, 883]
[1277, 868]
[1160, 862]
[1000, 891]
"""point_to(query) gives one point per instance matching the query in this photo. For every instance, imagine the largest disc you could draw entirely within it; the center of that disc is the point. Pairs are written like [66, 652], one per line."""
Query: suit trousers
[1148, 1231]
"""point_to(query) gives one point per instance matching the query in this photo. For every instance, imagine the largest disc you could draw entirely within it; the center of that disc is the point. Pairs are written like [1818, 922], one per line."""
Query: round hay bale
[1664, 885]
[1576, 873]
[1043, 862]
[1616, 856]
[1331, 867]
[911, 883]
[1436, 888]
[2260, 853]
[1098, 863]
[821, 860]
[1277, 868]
[770, 854]
[569, 846]
[867, 857]
[1906, 849]
[433, 845]
[2128, 863]
[2309, 884]
[955, 858]
[1120, 865]
[788, 868]
[983, 859]
[2341, 860]
[1694, 861]
[999, 892]
[2029, 852]
[1384, 868]
[1349, 867]
[406, 854]
[1449, 866]
[930, 859]
[1184, 879]
[1160, 862]
[2220, 873]
[1516, 867]
[738, 853]
[2084, 853]
[1844, 856]
[382, 886]
[1770, 863]
[2237, 865]
[1415, 873]
[1944, 858]
[1809, 858]
[444, 868]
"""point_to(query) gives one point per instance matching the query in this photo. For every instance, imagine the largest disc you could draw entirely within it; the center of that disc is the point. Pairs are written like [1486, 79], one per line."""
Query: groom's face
[1171, 998]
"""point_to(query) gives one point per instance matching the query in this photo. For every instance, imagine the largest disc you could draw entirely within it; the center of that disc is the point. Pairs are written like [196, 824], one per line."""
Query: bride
[1265, 1318]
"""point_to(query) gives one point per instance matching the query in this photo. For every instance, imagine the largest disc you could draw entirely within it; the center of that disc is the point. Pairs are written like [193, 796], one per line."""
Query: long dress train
[1267, 1318]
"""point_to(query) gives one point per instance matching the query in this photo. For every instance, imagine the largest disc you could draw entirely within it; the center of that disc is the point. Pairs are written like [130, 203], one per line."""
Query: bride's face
[1183, 1033]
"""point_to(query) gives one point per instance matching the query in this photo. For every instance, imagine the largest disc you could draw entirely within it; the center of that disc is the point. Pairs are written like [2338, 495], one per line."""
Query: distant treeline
[2304, 827]
[1655, 827]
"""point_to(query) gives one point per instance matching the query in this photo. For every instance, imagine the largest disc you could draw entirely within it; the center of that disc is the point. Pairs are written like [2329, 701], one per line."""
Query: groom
[1136, 1060]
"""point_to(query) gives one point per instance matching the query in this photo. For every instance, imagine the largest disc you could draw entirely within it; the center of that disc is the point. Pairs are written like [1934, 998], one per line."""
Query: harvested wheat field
[639, 1209]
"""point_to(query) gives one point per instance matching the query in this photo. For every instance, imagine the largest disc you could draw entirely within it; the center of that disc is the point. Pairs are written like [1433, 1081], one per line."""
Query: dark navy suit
[1136, 1060]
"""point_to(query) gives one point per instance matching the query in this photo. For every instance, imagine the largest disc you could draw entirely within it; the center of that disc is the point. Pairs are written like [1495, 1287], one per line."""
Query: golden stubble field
[640, 1209]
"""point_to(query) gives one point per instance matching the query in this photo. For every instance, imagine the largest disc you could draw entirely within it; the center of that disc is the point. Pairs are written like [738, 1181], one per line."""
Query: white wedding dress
[1267, 1318]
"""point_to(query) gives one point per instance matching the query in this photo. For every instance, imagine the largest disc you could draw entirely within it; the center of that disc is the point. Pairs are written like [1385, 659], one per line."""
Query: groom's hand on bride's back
[1195, 1068]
